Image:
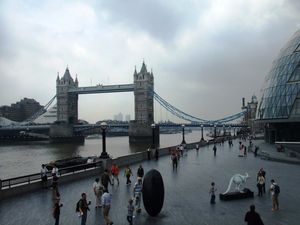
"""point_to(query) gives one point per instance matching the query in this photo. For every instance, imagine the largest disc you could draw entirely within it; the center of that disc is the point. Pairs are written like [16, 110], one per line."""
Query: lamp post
[104, 154]
[215, 130]
[153, 135]
[202, 139]
[183, 139]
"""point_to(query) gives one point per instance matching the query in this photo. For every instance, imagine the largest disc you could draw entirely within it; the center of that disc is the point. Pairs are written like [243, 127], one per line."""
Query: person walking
[174, 159]
[137, 193]
[97, 188]
[83, 206]
[115, 173]
[252, 217]
[54, 171]
[260, 183]
[241, 147]
[130, 211]
[148, 154]
[127, 174]
[263, 173]
[140, 171]
[44, 177]
[105, 179]
[275, 190]
[106, 203]
[215, 150]
[255, 150]
[245, 150]
[212, 191]
[156, 153]
[55, 195]
[56, 212]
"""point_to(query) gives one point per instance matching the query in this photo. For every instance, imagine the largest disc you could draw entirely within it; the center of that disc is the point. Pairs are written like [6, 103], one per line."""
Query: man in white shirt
[137, 192]
[106, 202]
[44, 175]
[98, 192]
[54, 171]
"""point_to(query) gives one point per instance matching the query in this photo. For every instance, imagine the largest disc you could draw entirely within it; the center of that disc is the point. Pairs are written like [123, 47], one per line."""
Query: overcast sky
[205, 55]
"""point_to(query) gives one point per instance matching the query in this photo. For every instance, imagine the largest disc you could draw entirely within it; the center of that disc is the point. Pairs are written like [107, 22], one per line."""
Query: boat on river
[73, 161]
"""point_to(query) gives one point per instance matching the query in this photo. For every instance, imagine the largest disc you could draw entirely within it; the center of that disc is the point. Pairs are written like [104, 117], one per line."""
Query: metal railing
[36, 177]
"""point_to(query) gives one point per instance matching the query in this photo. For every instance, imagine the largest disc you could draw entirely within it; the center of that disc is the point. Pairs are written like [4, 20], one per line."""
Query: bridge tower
[140, 129]
[67, 103]
[67, 110]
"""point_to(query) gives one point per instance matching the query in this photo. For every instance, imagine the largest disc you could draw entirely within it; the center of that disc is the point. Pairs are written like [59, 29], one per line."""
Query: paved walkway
[269, 152]
[186, 194]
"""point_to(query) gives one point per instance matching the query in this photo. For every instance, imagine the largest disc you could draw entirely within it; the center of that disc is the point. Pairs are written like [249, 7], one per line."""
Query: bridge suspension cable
[41, 111]
[182, 115]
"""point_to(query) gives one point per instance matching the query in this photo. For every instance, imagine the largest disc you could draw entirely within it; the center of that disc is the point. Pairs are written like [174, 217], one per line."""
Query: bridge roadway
[103, 89]
[78, 126]
[186, 194]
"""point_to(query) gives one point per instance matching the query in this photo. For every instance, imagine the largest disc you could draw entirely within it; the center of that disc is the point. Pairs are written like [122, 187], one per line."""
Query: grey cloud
[163, 20]
[231, 66]
[295, 4]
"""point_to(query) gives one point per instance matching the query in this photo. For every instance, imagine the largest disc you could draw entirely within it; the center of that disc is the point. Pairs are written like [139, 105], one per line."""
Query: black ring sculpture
[153, 192]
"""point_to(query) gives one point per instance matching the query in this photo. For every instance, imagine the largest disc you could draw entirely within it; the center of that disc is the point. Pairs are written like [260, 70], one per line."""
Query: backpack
[77, 206]
[276, 189]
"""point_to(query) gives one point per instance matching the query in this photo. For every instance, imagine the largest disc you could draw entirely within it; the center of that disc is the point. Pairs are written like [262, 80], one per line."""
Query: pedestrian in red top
[115, 173]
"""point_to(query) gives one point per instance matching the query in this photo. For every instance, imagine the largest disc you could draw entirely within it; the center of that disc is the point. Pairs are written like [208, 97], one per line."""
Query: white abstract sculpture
[238, 180]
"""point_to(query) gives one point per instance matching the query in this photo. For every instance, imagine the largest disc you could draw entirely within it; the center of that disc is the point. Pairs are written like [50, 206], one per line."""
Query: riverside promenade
[186, 193]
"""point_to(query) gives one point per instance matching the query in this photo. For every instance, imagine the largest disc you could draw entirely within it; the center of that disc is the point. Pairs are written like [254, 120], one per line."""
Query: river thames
[22, 159]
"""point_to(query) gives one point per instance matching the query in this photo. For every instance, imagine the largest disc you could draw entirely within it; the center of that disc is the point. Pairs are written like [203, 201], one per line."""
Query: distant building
[127, 118]
[279, 106]
[21, 110]
[118, 117]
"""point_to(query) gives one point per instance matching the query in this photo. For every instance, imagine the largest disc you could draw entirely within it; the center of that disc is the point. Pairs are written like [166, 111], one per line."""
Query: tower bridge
[66, 125]
[67, 91]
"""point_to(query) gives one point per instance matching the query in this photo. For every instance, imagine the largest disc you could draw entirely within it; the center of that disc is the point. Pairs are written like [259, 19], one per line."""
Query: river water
[23, 159]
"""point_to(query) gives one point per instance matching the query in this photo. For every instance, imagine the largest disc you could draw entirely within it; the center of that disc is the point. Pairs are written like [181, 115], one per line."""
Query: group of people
[176, 153]
[242, 149]
[103, 198]
[274, 188]
[252, 217]
[55, 190]
[111, 177]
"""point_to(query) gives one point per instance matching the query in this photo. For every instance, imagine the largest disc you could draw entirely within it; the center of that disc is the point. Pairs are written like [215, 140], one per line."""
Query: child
[130, 208]
[212, 192]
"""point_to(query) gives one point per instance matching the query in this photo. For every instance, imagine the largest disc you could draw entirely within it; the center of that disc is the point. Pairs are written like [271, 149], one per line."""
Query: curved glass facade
[281, 90]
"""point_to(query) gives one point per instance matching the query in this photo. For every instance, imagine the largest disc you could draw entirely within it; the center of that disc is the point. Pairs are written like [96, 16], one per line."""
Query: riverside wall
[121, 161]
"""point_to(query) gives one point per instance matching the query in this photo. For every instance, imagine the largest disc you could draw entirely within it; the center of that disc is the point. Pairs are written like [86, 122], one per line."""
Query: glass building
[279, 106]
